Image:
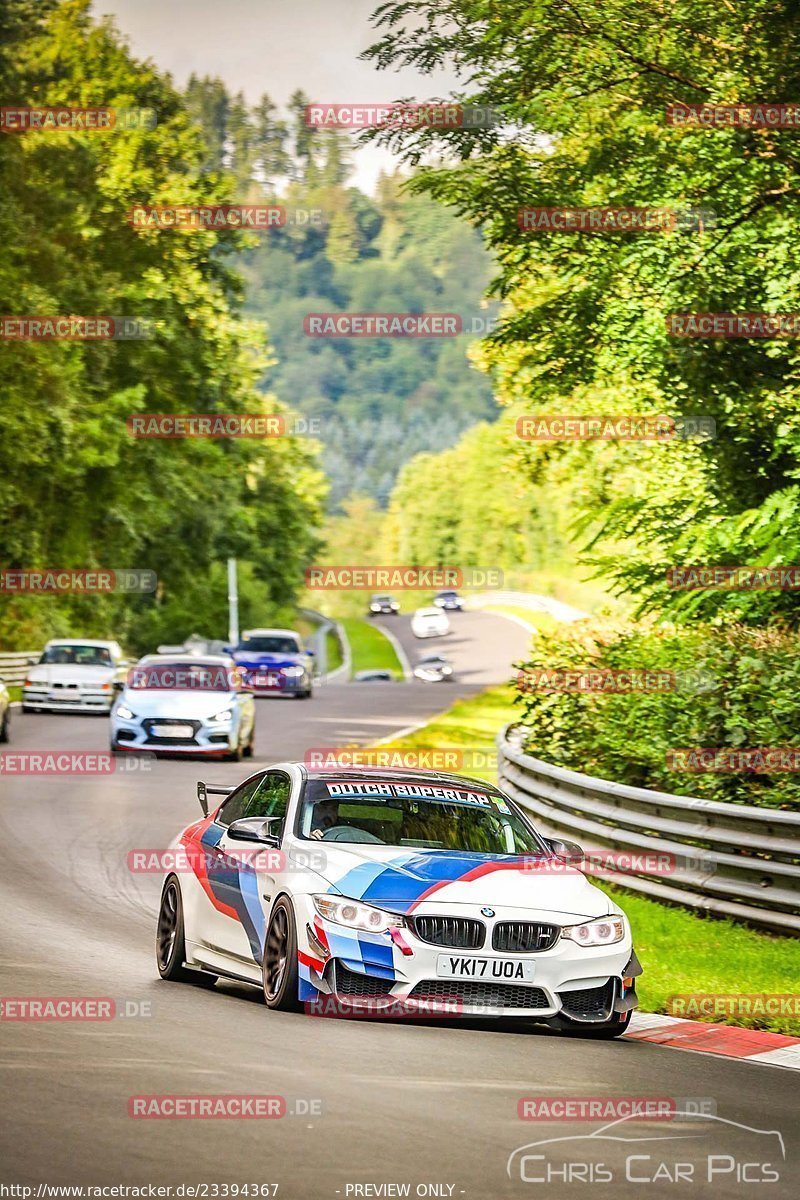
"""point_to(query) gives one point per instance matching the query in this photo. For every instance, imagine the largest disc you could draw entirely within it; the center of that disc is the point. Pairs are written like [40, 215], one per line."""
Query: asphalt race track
[369, 1102]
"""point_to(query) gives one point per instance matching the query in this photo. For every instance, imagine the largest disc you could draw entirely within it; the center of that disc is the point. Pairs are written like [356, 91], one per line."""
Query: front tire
[279, 966]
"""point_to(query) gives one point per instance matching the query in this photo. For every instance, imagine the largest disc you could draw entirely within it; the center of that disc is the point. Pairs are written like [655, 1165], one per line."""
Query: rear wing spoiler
[204, 791]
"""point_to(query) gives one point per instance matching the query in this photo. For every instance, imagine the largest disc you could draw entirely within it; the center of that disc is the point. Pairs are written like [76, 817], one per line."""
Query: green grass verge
[680, 951]
[15, 691]
[371, 650]
[333, 651]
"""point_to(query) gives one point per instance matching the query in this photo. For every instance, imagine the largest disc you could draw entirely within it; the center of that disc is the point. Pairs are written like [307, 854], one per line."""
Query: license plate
[264, 679]
[495, 970]
[173, 731]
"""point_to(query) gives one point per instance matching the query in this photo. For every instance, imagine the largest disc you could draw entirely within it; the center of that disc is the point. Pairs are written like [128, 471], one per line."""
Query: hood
[70, 673]
[402, 880]
[193, 704]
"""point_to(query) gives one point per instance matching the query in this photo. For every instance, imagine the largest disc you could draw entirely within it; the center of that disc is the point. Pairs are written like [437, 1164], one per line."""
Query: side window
[272, 798]
[236, 804]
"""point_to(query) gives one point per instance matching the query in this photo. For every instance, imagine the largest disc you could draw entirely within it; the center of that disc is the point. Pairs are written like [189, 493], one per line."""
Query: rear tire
[170, 944]
[279, 967]
[5, 727]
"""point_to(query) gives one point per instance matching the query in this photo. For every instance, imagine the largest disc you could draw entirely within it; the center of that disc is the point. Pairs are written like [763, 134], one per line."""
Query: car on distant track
[429, 622]
[190, 704]
[367, 889]
[74, 675]
[434, 668]
[449, 600]
[275, 662]
[5, 713]
[382, 604]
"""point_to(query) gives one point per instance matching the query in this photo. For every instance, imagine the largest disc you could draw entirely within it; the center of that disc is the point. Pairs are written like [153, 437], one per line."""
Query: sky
[274, 46]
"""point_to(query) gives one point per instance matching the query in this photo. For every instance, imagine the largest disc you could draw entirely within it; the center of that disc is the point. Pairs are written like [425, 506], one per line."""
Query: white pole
[233, 604]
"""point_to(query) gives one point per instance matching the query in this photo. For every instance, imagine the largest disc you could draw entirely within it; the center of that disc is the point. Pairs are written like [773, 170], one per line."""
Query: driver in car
[325, 816]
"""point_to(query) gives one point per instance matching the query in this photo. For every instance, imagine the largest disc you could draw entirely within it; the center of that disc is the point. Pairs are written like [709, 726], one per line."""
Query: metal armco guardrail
[729, 860]
[14, 667]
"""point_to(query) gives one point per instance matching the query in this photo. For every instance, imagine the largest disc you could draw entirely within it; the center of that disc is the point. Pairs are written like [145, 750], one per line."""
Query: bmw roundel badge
[487, 912]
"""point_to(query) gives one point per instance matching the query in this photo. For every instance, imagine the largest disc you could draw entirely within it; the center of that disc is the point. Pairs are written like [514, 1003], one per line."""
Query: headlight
[374, 608]
[293, 672]
[125, 713]
[603, 932]
[220, 717]
[356, 916]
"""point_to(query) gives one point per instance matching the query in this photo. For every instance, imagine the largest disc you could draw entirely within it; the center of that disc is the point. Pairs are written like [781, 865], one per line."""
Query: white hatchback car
[349, 887]
[429, 622]
[74, 675]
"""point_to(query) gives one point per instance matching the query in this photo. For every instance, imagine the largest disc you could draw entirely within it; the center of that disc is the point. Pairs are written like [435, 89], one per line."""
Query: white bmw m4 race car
[410, 890]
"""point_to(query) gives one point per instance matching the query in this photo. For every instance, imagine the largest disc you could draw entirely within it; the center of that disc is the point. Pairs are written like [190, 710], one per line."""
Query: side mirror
[124, 662]
[228, 649]
[32, 660]
[256, 829]
[311, 653]
[569, 851]
[118, 685]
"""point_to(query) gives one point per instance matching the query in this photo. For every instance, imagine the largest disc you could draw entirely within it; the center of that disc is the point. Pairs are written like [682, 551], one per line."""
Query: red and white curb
[754, 1045]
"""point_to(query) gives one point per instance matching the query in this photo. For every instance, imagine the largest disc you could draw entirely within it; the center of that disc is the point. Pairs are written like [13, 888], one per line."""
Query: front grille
[458, 933]
[152, 723]
[591, 1004]
[481, 995]
[351, 983]
[524, 937]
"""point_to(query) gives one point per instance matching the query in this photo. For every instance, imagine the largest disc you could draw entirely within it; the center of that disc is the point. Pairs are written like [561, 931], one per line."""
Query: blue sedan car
[275, 663]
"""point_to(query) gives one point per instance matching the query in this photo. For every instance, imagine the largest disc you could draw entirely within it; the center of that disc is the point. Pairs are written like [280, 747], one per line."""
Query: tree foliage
[583, 88]
[76, 489]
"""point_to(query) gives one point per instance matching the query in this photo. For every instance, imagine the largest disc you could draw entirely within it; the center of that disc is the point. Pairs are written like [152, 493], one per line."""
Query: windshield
[187, 675]
[430, 815]
[271, 644]
[79, 656]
